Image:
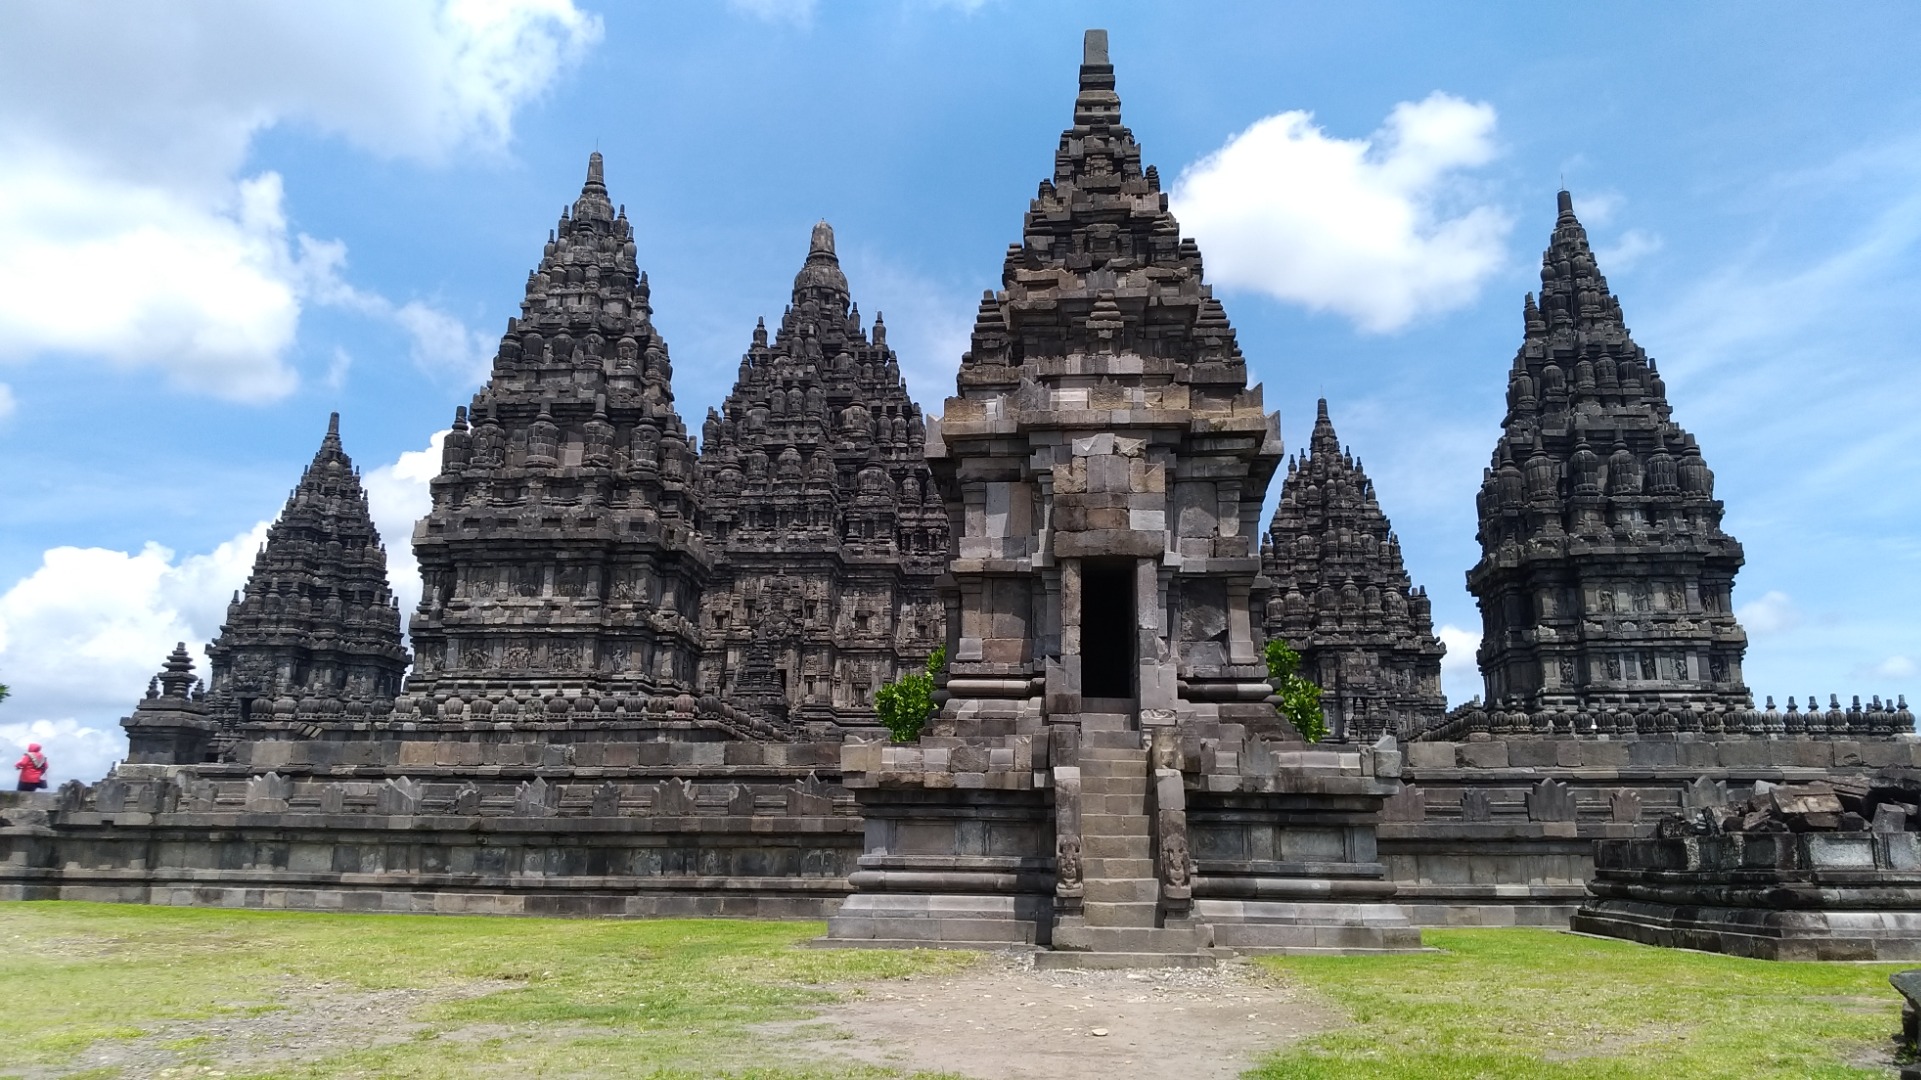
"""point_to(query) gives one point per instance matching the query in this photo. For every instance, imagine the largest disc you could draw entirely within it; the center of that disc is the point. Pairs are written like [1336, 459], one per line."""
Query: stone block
[1531, 753]
[1487, 755]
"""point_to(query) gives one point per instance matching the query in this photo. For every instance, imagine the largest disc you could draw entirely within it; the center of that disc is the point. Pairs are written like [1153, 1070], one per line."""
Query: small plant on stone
[1300, 699]
[906, 704]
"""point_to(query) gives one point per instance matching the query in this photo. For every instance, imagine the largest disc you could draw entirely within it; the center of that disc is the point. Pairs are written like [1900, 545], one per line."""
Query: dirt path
[1003, 1020]
[999, 1020]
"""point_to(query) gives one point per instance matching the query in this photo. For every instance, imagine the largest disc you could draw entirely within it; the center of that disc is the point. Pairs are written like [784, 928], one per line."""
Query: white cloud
[1630, 248]
[929, 325]
[795, 12]
[1896, 667]
[1379, 229]
[74, 750]
[398, 495]
[443, 345]
[82, 634]
[338, 367]
[1773, 613]
[1460, 671]
[7, 403]
[133, 161]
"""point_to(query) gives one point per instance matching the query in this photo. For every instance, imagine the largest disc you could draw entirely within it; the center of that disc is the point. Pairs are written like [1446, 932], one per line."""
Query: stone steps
[1060, 960]
[1133, 939]
[1121, 892]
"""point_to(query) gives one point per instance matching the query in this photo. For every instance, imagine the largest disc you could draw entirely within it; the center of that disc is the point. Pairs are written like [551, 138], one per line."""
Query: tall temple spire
[315, 634]
[1605, 578]
[572, 495]
[826, 530]
[1343, 599]
[1104, 341]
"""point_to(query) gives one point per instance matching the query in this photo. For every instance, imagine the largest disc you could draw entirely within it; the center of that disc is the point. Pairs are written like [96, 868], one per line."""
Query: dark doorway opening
[1108, 634]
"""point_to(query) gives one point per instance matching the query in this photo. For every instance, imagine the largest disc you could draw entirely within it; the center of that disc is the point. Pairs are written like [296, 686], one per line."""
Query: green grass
[676, 998]
[665, 998]
[1508, 1004]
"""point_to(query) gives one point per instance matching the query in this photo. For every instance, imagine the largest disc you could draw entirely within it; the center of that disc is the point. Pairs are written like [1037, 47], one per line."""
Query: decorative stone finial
[1097, 104]
[1094, 48]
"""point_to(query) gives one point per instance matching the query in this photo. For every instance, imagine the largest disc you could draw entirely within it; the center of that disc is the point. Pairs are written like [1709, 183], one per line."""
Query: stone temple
[1106, 774]
[1604, 578]
[563, 562]
[1342, 598]
[315, 635]
[822, 519]
[644, 666]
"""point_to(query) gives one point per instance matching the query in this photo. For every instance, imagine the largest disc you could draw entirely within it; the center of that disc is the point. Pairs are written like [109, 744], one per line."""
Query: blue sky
[220, 222]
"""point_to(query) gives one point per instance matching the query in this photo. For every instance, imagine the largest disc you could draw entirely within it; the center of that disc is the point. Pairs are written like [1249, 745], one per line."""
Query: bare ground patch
[298, 1023]
[1003, 1020]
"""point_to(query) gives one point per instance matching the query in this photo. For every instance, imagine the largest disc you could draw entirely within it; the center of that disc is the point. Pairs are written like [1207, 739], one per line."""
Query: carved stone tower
[562, 560]
[1107, 774]
[1605, 578]
[1104, 462]
[826, 530]
[315, 635]
[1342, 598]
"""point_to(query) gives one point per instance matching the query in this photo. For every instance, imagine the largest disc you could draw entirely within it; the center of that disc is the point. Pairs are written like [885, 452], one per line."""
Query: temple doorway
[1108, 635]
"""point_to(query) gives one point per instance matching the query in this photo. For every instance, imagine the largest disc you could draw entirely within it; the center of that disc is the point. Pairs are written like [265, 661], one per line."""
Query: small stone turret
[1605, 576]
[171, 725]
[1342, 598]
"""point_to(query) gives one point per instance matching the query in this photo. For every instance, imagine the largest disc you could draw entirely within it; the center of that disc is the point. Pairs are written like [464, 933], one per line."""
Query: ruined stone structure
[1342, 598]
[563, 561]
[315, 635]
[1827, 870]
[1106, 774]
[1604, 579]
[826, 531]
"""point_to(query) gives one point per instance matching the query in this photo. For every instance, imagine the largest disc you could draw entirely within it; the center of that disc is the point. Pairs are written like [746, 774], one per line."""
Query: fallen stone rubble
[1886, 803]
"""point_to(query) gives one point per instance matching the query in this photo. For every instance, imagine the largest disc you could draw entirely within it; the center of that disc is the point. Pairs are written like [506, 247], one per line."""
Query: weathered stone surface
[1104, 463]
[1342, 597]
[1104, 459]
[315, 635]
[171, 725]
[1605, 578]
[826, 530]
[562, 560]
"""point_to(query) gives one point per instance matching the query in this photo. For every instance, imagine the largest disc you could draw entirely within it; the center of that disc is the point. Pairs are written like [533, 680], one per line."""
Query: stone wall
[1502, 831]
[710, 840]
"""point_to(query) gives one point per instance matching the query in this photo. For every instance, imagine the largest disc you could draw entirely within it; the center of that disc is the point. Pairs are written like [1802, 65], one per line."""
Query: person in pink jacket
[33, 768]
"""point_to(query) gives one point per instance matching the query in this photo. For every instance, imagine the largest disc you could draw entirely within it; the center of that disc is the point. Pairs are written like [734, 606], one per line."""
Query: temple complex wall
[681, 836]
[1501, 831]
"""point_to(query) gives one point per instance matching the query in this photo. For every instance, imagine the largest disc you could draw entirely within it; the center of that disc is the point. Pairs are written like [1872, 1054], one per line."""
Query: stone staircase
[1122, 923]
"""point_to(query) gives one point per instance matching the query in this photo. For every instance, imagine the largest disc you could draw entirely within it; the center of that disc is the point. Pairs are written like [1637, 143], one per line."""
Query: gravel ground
[1003, 1020]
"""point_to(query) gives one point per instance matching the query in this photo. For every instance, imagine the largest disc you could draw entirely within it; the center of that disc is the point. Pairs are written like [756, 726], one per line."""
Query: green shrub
[1300, 699]
[906, 704]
